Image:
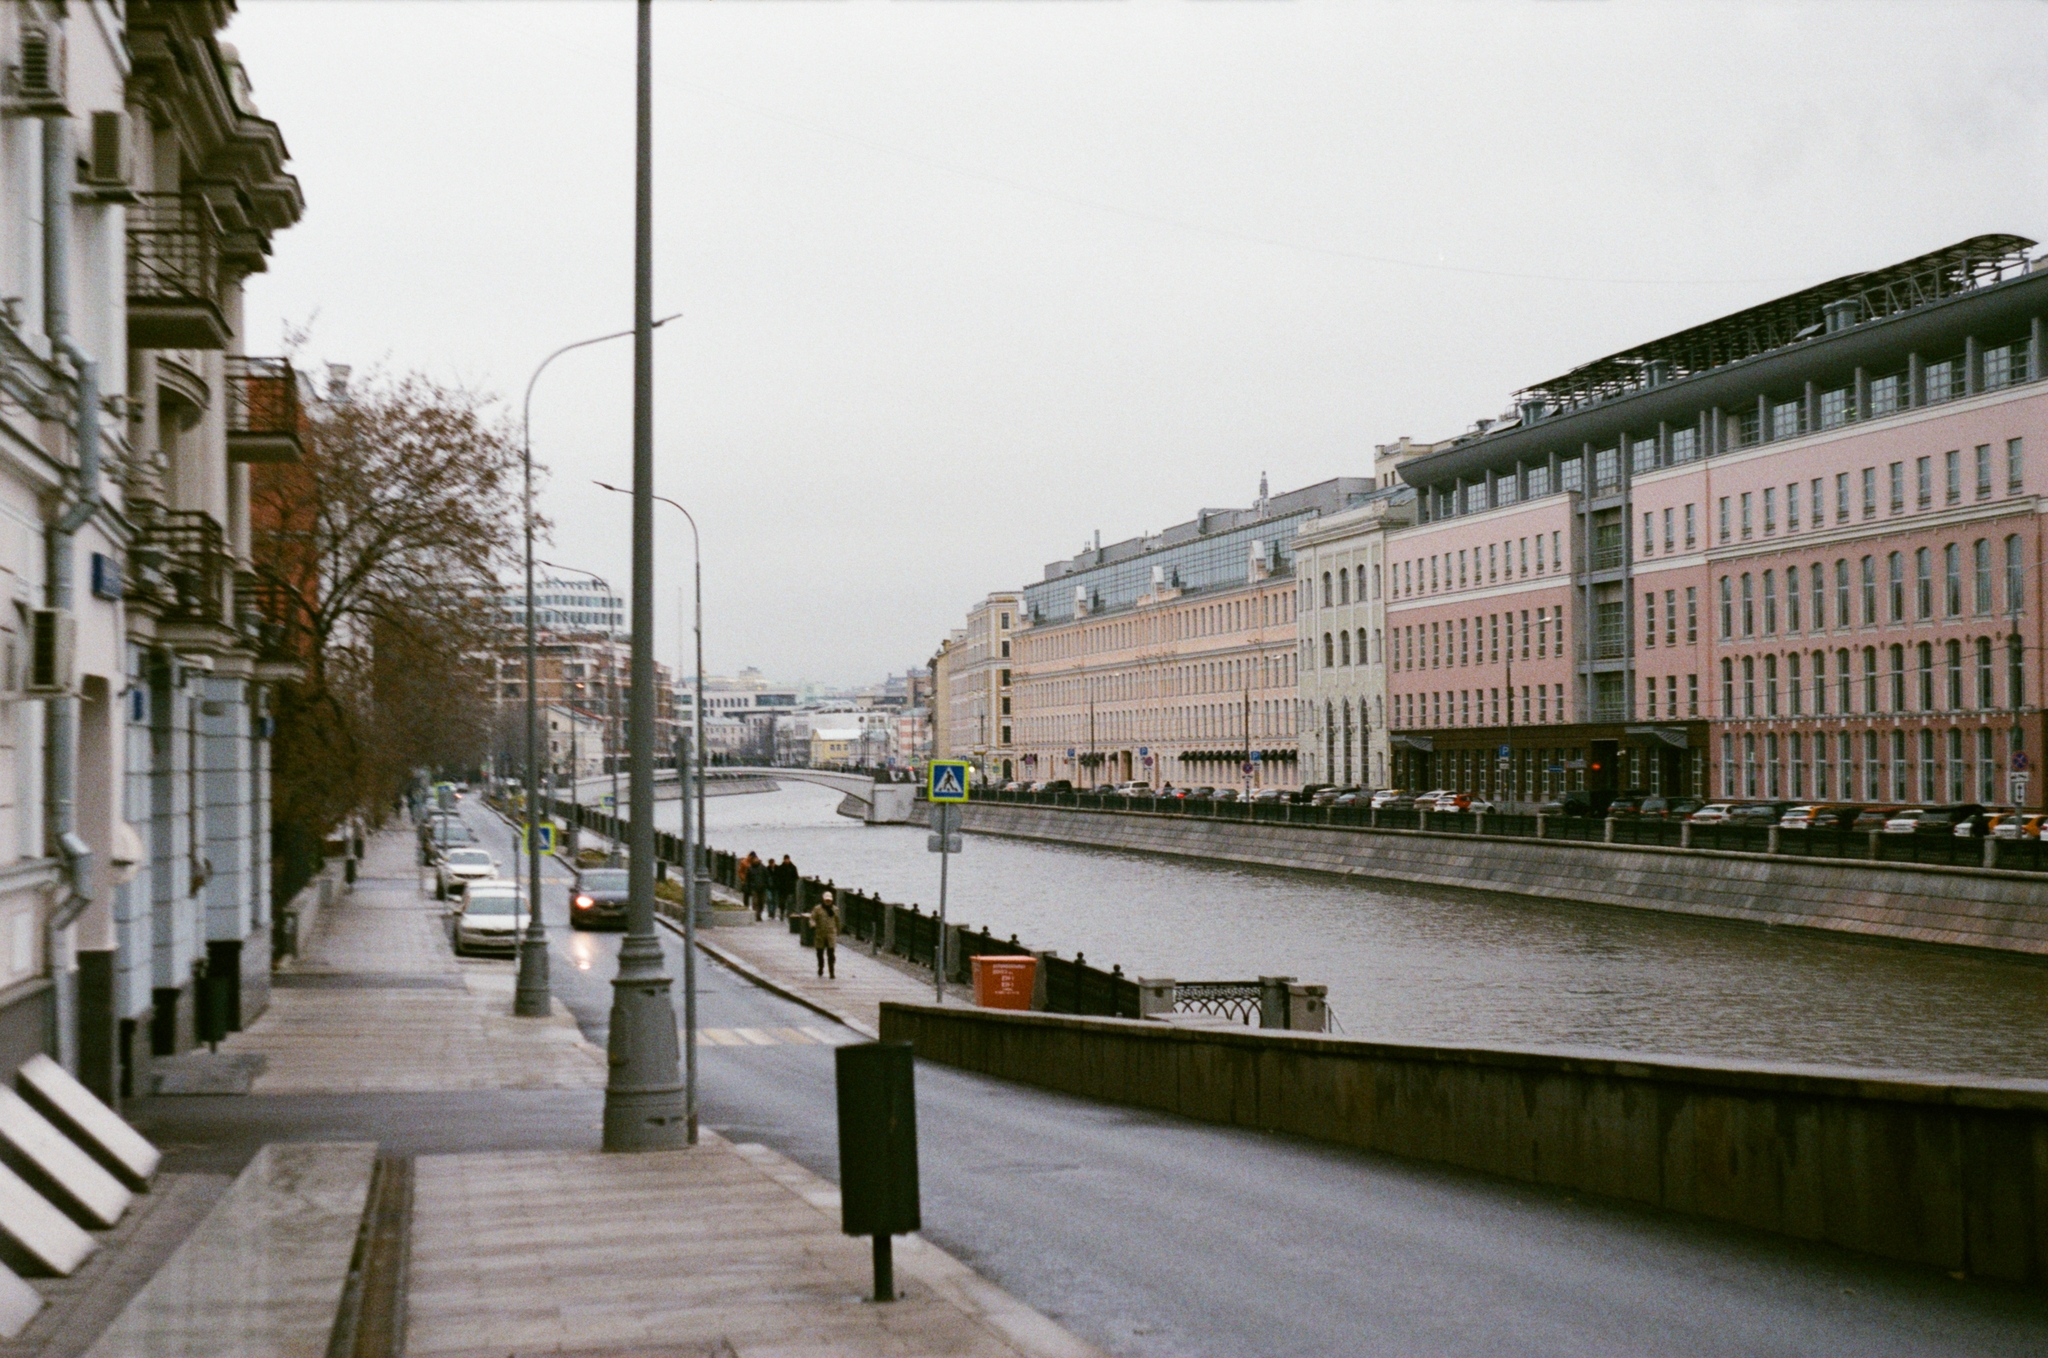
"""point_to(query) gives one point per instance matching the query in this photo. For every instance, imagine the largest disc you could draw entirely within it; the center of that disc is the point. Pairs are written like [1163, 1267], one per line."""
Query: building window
[1870, 679]
[1749, 686]
[1795, 693]
[1649, 617]
[1692, 695]
[1689, 538]
[1984, 695]
[1983, 470]
[1954, 656]
[1895, 577]
[1884, 399]
[1952, 474]
[1670, 617]
[1770, 603]
[1902, 772]
[1692, 614]
[1770, 685]
[1898, 676]
[1787, 419]
[1895, 475]
[2015, 461]
[1728, 766]
[1952, 579]
[1327, 596]
[1727, 688]
[1747, 500]
[1748, 605]
[1987, 767]
[1724, 518]
[2015, 676]
[1834, 408]
[1923, 583]
[1926, 673]
[2015, 591]
[1329, 651]
[1344, 648]
[1870, 492]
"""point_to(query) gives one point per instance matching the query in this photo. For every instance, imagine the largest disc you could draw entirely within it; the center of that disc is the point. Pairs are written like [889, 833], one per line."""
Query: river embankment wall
[1958, 907]
[1942, 1172]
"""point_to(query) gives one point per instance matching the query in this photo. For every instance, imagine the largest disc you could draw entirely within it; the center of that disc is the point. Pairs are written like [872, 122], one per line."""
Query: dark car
[1942, 820]
[1057, 785]
[1873, 818]
[1758, 813]
[1571, 804]
[1627, 804]
[599, 899]
[1224, 794]
[1306, 793]
[441, 833]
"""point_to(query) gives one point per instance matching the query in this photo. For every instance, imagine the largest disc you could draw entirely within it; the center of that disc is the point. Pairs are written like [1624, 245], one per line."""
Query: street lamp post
[699, 887]
[643, 1096]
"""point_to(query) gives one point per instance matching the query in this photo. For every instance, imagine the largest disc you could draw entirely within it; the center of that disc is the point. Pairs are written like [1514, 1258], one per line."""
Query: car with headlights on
[598, 899]
[489, 916]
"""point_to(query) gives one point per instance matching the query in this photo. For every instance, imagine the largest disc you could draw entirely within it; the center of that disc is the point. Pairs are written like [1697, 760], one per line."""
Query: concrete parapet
[1948, 1172]
[2006, 911]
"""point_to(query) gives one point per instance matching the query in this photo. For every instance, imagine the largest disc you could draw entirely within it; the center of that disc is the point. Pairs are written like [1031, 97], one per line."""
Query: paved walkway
[714, 1249]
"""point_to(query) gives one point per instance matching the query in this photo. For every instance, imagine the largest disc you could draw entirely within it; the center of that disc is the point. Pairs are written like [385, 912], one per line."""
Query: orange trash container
[1004, 982]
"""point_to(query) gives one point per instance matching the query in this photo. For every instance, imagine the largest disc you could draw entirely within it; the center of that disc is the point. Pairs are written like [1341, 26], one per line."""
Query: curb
[761, 979]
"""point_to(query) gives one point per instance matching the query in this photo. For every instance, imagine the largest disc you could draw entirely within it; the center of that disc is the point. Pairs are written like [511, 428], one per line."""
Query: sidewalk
[769, 953]
[714, 1249]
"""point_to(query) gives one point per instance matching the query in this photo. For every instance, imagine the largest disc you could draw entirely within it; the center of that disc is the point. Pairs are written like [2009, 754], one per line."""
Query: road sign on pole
[948, 781]
[2018, 788]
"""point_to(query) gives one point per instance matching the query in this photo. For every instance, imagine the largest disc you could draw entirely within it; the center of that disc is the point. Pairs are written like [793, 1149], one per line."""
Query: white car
[460, 866]
[490, 917]
[1390, 796]
[1905, 822]
[1713, 813]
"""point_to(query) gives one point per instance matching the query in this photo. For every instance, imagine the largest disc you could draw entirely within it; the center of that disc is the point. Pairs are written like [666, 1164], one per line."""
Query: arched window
[1794, 689]
[1748, 686]
[1898, 673]
[1748, 605]
[1955, 675]
[1844, 682]
[1870, 678]
[1362, 657]
[1770, 686]
[1329, 651]
[1952, 579]
[1727, 610]
[1343, 585]
[1326, 589]
[2015, 586]
[1344, 648]
[1869, 592]
[1727, 688]
[1926, 659]
[2016, 675]
[1895, 579]
[1984, 672]
[1923, 583]
[1820, 683]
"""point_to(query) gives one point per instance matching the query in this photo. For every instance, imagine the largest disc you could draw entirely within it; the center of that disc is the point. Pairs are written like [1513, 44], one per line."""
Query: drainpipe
[60, 721]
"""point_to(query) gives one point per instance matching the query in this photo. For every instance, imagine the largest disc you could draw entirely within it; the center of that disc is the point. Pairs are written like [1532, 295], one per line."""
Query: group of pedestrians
[766, 887]
[770, 890]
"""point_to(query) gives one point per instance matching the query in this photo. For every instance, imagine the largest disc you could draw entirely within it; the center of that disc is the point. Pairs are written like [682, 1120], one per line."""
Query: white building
[1339, 560]
[138, 187]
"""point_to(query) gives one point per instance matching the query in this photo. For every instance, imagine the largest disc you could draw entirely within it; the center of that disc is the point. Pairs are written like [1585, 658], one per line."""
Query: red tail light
[584, 902]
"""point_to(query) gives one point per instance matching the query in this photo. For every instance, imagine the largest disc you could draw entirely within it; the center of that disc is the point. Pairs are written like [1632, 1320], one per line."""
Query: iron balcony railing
[263, 409]
[173, 249]
[179, 564]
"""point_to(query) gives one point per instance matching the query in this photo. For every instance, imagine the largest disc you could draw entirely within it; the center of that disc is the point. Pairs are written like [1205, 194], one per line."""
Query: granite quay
[1945, 1173]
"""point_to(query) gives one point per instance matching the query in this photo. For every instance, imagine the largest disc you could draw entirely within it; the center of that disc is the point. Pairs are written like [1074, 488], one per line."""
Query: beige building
[1180, 689]
[975, 692]
[1342, 618]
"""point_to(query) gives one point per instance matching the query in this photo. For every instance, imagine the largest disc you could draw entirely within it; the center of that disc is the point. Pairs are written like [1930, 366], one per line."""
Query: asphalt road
[1154, 1236]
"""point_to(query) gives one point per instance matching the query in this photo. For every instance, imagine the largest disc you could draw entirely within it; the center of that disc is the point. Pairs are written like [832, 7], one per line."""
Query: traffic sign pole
[946, 790]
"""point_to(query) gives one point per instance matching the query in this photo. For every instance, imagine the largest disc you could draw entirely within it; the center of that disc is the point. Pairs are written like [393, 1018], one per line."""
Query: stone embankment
[1961, 907]
[1948, 1172]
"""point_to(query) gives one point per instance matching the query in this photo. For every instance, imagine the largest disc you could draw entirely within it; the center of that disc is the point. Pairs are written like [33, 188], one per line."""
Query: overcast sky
[964, 283]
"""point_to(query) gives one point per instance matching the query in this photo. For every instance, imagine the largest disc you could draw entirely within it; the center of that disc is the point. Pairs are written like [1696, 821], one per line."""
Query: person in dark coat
[784, 875]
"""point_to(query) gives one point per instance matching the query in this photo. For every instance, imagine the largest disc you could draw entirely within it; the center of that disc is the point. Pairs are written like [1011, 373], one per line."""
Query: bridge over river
[865, 799]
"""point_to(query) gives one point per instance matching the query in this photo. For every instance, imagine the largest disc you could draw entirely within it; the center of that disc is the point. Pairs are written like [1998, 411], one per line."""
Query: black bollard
[877, 1149]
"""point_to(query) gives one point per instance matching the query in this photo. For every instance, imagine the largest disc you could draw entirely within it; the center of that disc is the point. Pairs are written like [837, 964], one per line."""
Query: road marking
[806, 1036]
[756, 1036]
[792, 1036]
[838, 1037]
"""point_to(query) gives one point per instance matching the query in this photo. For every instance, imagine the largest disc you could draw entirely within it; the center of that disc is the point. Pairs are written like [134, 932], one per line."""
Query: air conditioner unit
[108, 169]
[52, 652]
[35, 83]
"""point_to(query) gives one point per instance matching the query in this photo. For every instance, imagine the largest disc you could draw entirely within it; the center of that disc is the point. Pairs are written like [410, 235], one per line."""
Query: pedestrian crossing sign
[545, 830]
[948, 781]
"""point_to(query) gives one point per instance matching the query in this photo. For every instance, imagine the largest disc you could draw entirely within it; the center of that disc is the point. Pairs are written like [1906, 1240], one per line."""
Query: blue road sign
[547, 838]
[948, 780]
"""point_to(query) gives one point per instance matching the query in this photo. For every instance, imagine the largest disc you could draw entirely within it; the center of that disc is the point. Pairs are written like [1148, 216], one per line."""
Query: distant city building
[1172, 657]
[1342, 618]
[1794, 552]
[978, 722]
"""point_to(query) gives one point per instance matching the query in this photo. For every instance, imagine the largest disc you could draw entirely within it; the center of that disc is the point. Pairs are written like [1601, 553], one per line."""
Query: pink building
[1791, 553]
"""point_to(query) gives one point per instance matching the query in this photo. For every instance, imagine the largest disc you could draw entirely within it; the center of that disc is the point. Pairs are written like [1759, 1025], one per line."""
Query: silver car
[458, 867]
[489, 918]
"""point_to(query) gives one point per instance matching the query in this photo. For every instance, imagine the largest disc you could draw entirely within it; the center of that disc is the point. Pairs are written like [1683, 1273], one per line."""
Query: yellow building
[833, 747]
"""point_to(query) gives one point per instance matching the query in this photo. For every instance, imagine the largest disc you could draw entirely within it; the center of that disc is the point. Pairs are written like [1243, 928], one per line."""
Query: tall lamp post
[530, 996]
[700, 854]
[643, 1096]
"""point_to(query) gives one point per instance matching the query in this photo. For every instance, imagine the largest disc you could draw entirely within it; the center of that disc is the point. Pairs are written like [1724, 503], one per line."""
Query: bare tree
[380, 555]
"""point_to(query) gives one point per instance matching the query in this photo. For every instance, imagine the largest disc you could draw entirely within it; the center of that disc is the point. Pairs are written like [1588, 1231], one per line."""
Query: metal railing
[262, 398]
[179, 564]
[173, 249]
[1236, 1000]
[1949, 850]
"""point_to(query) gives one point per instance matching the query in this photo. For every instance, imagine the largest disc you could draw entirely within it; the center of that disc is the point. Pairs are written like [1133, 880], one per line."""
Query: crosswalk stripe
[755, 1036]
[719, 1037]
[830, 1038]
[793, 1037]
[806, 1036]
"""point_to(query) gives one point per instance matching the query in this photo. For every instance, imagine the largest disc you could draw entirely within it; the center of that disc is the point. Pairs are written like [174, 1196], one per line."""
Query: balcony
[272, 617]
[263, 410]
[178, 568]
[174, 274]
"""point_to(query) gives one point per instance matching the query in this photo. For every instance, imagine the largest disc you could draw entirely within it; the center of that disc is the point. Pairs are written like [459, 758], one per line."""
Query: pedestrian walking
[755, 896]
[784, 878]
[825, 935]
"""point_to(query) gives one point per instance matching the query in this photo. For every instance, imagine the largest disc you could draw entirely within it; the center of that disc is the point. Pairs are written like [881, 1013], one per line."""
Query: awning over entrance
[1674, 736]
[1401, 740]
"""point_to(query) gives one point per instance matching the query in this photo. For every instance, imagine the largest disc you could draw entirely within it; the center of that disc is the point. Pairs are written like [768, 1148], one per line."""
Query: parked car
[458, 866]
[1169, 792]
[1713, 813]
[2018, 825]
[1904, 821]
[490, 916]
[1056, 785]
[1978, 825]
[1457, 801]
[1224, 794]
[1391, 796]
[1627, 805]
[1426, 801]
[1307, 793]
[1570, 804]
[1655, 807]
[1012, 786]
[1819, 816]
[1326, 796]
[1943, 820]
[1873, 818]
[442, 834]
[1757, 813]
[1267, 796]
[1350, 796]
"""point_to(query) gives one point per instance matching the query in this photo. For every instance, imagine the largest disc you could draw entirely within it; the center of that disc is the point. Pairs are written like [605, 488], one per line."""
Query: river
[1413, 964]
